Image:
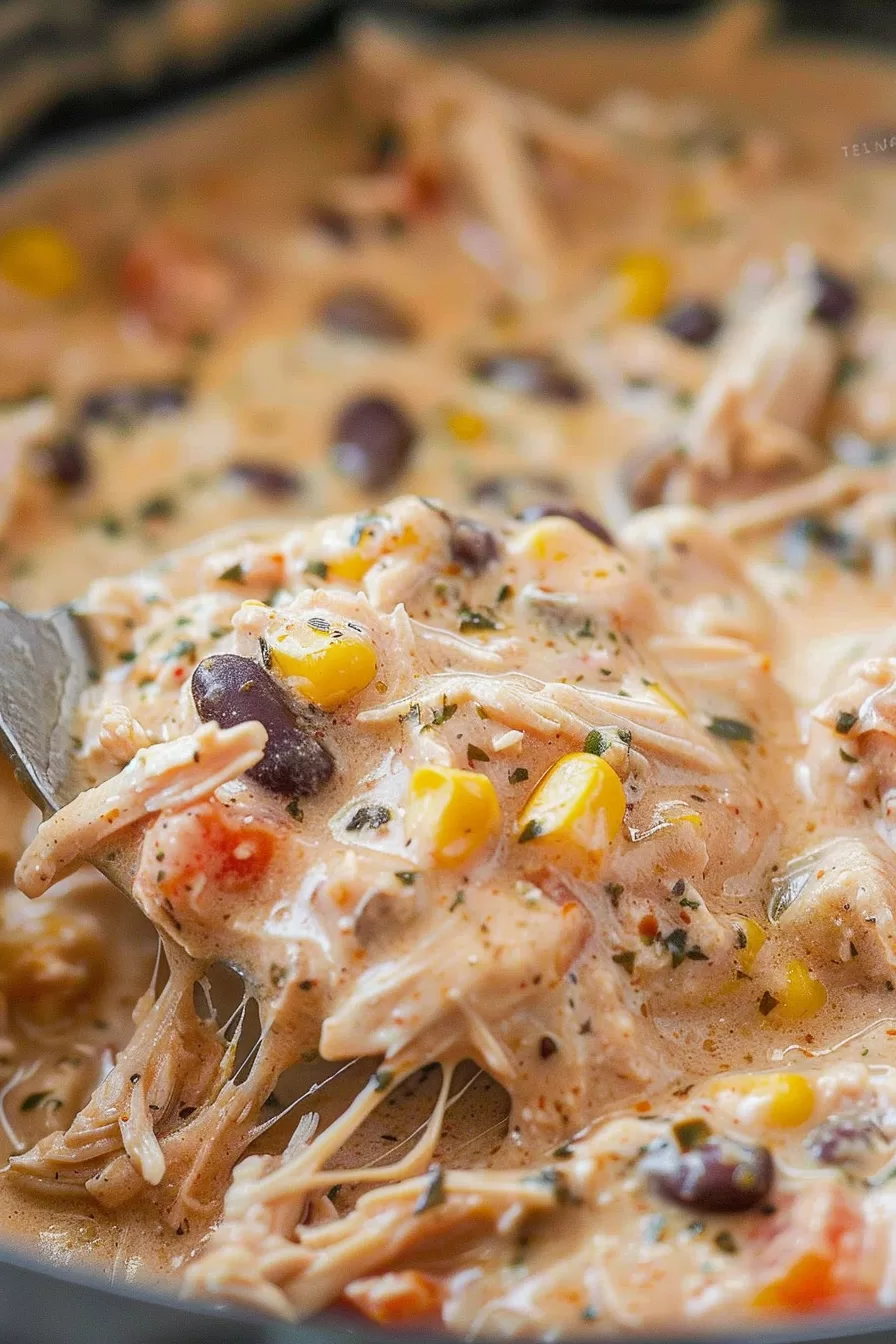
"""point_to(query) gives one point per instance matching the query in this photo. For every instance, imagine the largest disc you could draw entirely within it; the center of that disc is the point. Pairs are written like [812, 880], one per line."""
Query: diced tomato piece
[205, 851]
[183, 287]
[391, 1298]
[808, 1284]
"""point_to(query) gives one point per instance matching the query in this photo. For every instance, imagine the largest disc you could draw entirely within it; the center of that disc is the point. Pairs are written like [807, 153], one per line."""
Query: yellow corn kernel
[40, 261]
[350, 567]
[803, 995]
[787, 1099]
[330, 666]
[466, 426]
[454, 812]
[750, 939]
[645, 278]
[553, 540]
[580, 800]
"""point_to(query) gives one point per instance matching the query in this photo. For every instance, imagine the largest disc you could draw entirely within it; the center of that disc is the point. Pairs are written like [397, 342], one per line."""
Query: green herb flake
[725, 1242]
[846, 721]
[407, 879]
[504, 592]
[433, 1192]
[531, 831]
[594, 743]
[157, 508]
[845, 756]
[184, 648]
[441, 716]
[626, 960]
[475, 753]
[690, 1134]
[233, 574]
[382, 1079]
[458, 900]
[127, 656]
[767, 1003]
[110, 525]
[476, 620]
[675, 944]
[371, 818]
[319, 568]
[519, 775]
[732, 730]
[295, 810]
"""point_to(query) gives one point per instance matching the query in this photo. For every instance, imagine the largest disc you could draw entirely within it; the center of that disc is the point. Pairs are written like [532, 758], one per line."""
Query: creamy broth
[185, 345]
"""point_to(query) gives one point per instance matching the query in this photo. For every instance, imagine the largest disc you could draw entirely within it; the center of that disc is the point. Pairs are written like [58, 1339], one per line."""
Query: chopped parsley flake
[531, 831]
[846, 721]
[233, 574]
[690, 1134]
[370, 818]
[594, 743]
[732, 730]
[476, 620]
[519, 775]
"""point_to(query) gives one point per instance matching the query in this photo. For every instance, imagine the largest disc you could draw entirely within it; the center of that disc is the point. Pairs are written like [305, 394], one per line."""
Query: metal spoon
[47, 663]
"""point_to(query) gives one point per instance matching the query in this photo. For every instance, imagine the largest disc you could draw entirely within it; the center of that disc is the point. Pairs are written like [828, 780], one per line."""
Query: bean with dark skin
[472, 546]
[721, 1175]
[364, 313]
[580, 516]
[266, 478]
[694, 321]
[67, 461]
[372, 441]
[127, 403]
[230, 689]
[530, 373]
[837, 298]
[842, 1139]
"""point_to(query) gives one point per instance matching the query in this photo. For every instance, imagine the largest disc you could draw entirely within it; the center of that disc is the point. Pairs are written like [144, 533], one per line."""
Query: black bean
[67, 461]
[721, 1175]
[695, 321]
[372, 442]
[364, 313]
[837, 299]
[266, 478]
[129, 402]
[580, 516]
[472, 546]
[842, 1139]
[531, 374]
[231, 689]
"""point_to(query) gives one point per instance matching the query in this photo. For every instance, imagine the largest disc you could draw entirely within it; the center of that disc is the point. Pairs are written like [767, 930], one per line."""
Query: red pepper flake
[648, 926]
